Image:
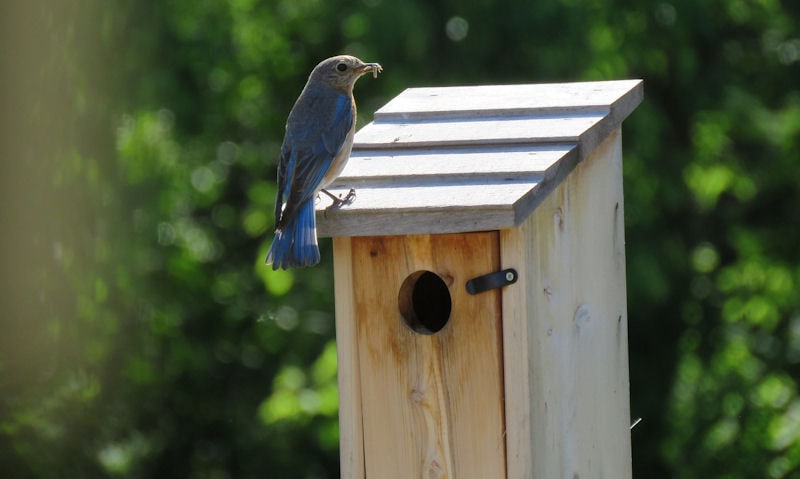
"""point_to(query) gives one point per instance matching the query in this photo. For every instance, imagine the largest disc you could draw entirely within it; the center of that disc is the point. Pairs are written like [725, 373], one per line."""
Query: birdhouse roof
[471, 158]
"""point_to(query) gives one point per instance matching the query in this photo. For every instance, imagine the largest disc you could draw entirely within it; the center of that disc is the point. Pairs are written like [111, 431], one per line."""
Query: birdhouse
[480, 285]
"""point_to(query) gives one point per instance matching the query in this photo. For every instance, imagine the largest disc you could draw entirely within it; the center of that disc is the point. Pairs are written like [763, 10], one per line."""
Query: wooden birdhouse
[480, 285]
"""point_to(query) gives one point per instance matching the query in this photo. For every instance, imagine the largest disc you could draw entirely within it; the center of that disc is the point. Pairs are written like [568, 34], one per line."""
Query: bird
[315, 149]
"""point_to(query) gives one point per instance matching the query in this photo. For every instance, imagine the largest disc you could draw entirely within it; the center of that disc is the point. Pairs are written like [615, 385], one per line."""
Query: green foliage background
[141, 336]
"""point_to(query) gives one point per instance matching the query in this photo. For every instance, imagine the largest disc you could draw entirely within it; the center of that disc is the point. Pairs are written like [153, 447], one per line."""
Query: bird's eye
[341, 67]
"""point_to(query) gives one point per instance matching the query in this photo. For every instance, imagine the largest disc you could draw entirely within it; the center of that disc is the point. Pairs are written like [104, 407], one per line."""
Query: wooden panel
[421, 221]
[432, 405]
[487, 100]
[563, 128]
[376, 167]
[404, 198]
[565, 329]
[425, 191]
[351, 438]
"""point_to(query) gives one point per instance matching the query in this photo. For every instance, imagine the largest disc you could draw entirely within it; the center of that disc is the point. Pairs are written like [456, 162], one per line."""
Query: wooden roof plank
[490, 100]
[443, 195]
[367, 166]
[482, 131]
[382, 223]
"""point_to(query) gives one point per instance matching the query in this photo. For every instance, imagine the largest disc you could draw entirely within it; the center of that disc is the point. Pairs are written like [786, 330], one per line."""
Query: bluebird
[317, 144]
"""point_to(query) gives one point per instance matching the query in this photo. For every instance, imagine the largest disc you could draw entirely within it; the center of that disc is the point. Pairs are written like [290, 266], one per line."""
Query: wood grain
[351, 432]
[565, 329]
[436, 157]
[530, 381]
[440, 164]
[431, 405]
[487, 100]
[563, 128]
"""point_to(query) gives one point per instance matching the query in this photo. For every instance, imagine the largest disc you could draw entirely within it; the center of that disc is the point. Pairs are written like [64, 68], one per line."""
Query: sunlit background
[141, 335]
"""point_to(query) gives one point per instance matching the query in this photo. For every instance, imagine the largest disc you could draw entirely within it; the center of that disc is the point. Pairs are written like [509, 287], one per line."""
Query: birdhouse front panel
[428, 355]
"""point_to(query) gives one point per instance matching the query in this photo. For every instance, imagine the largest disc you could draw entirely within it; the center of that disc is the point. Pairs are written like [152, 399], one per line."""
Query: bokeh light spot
[457, 29]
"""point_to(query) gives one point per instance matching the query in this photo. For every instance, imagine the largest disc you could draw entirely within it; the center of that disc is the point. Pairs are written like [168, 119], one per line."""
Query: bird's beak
[375, 68]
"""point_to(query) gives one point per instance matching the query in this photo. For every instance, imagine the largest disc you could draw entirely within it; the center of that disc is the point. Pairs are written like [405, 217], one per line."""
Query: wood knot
[435, 470]
[447, 278]
[417, 395]
[582, 315]
[558, 218]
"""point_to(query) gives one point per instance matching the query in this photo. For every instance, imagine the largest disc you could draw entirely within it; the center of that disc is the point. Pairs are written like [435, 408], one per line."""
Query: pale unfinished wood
[431, 405]
[437, 190]
[449, 164]
[351, 439]
[541, 392]
[487, 100]
[565, 329]
[567, 127]
[436, 157]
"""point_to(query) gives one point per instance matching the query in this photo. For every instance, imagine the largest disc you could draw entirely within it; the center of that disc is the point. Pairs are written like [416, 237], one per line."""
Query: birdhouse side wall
[565, 329]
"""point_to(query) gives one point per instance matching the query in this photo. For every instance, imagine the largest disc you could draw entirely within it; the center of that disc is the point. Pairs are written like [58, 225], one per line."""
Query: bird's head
[341, 72]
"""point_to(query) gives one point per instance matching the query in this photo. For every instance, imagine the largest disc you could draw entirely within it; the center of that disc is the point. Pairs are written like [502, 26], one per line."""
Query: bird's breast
[340, 160]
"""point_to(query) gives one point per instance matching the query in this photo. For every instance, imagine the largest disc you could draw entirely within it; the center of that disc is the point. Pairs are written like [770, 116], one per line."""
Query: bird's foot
[338, 200]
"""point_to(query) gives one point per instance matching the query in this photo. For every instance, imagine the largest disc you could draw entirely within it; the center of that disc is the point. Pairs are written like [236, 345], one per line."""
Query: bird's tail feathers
[295, 244]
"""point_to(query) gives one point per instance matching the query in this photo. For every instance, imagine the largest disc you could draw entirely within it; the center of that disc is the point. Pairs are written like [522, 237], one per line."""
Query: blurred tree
[143, 337]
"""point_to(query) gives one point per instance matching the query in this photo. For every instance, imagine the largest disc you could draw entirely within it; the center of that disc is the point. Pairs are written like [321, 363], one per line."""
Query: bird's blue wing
[336, 117]
[316, 130]
[285, 171]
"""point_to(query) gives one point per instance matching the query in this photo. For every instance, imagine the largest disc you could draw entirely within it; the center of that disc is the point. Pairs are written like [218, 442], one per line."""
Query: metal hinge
[492, 280]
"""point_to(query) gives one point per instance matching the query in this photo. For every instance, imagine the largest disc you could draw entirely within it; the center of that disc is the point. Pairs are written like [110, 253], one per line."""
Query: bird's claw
[338, 200]
[349, 197]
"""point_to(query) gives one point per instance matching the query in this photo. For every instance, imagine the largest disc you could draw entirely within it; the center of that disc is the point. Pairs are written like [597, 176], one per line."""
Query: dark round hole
[425, 302]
